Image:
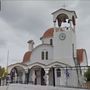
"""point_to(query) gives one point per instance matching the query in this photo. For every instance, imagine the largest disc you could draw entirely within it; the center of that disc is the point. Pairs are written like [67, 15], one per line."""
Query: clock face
[62, 36]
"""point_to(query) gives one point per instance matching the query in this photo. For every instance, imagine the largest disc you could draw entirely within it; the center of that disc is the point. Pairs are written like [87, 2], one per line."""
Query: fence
[76, 77]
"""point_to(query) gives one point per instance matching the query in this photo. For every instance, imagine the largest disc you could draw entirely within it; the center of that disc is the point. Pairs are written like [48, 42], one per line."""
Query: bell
[59, 22]
[69, 21]
[64, 19]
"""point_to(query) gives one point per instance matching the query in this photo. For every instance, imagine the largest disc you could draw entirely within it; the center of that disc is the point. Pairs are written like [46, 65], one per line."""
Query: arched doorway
[37, 75]
[17, 75]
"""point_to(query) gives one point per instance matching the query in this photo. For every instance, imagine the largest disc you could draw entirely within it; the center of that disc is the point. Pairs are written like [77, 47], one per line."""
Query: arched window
[46, 55]
[58, 72]
[51, 42]
[42, 55]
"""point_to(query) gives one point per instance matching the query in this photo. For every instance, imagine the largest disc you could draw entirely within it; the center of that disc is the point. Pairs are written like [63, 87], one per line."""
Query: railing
[67, 77]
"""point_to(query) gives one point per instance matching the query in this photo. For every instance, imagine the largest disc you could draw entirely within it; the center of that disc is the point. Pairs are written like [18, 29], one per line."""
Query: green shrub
[87, 74]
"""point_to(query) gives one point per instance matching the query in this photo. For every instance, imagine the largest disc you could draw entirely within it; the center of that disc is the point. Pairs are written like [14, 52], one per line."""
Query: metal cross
[64, 5]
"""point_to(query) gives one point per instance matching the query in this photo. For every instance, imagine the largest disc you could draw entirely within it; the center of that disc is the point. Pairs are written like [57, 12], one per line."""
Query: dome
[27, 56]
[80, 55]
[48, 33]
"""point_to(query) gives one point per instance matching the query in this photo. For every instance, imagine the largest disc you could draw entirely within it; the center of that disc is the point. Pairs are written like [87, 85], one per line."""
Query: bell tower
[64, 41]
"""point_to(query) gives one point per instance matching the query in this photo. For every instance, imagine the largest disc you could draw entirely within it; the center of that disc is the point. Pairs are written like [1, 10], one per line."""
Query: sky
[23, 20]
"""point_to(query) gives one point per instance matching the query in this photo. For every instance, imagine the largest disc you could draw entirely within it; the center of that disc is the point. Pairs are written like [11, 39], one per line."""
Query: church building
[56, 61]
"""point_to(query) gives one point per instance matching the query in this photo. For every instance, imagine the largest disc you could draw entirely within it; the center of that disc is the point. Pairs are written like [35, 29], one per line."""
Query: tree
[3, 72]
[87, 74]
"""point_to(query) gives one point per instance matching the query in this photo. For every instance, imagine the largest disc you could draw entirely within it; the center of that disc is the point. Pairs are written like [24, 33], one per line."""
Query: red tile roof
[80, 55]
[27, 56]
[48, 33]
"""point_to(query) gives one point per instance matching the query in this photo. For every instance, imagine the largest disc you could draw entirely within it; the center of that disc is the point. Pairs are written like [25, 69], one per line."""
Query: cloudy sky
[22, 20]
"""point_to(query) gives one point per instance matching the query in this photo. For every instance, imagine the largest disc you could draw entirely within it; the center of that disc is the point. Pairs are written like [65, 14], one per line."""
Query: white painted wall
[60, 80]
[24, 67]
[63, 51]
[36, 54]
[35, 87]
[51, 77]
[30, 46]
[72, 80]
[46, 40]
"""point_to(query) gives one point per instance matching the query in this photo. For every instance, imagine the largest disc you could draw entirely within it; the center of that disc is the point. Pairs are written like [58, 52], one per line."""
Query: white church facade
[56, 61]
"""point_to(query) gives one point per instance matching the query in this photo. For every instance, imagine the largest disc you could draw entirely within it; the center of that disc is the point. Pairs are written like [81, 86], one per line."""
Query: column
[47, 76]
[23, 77]
[33, 76]
[53, 76]
[15, 78]
[54, 26]
[26, 76]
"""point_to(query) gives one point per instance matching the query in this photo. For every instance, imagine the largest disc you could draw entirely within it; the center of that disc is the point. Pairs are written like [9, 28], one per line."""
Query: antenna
[7, 58]
[7, 66]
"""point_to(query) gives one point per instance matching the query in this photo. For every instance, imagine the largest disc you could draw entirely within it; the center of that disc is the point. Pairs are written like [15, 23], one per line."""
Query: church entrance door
[42, 77]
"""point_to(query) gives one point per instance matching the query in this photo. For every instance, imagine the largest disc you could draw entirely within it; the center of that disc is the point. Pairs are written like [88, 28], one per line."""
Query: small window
[51, 42]
[46, 55]
[58, 72]
[42, 55]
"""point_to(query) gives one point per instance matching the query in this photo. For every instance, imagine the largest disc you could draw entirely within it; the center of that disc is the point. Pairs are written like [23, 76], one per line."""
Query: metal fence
[76, 77]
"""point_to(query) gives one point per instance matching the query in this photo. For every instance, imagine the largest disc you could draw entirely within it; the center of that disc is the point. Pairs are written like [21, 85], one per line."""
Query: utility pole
[7, 69]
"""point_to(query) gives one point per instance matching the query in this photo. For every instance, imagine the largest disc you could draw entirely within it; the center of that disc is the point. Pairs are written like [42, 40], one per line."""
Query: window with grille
[46, 55]
[51, 42]
[42, 55]
[58, 72]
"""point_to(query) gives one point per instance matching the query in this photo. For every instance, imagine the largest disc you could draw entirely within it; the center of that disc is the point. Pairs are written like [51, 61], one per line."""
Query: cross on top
[64, 6]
